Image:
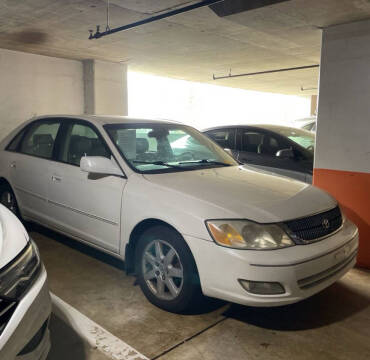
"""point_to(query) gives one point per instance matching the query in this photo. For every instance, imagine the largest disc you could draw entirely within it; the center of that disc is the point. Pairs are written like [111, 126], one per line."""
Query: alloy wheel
[162, 270]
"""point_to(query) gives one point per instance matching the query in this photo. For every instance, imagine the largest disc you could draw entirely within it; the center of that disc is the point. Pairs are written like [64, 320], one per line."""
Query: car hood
[243, 192]
[13, 236]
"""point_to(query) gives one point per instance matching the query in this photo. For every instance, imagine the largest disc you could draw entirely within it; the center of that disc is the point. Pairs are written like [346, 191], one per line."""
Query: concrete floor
[334, 324]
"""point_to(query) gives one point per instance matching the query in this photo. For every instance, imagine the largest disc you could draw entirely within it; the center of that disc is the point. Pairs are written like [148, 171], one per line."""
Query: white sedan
[185, 217]
[25, 304]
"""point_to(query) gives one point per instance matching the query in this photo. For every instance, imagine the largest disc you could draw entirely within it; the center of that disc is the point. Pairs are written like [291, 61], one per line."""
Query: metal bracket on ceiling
[107, 28]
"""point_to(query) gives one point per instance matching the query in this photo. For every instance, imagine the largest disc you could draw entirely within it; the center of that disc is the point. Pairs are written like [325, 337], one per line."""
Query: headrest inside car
[142, 145]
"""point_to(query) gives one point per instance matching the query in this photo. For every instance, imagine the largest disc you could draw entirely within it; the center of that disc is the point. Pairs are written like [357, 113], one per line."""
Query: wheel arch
[137, 231]
[4, 181]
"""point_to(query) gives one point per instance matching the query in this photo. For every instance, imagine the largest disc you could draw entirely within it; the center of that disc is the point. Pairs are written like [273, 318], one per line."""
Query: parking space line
[96, 336]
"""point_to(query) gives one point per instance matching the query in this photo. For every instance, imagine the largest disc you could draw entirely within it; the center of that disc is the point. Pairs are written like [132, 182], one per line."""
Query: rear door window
[14, 144]
[40, 138]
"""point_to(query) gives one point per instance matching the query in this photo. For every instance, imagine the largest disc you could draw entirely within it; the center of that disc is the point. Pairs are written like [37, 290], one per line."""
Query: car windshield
[303, 138]
[166, 147]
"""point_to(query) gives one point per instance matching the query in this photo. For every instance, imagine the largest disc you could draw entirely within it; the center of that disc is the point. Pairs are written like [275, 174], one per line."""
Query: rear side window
[223, 137]
[81, 140]
[40, 138]
[14, 144]
[261, 143]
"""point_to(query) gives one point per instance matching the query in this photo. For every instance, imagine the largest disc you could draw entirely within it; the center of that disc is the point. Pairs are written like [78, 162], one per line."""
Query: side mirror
[285, 154]
[99, 165]
[229, 152]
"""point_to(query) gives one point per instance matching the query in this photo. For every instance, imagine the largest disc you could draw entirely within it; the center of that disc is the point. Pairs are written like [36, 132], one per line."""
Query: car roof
[310, 118]
[269, 127]
[108, 119]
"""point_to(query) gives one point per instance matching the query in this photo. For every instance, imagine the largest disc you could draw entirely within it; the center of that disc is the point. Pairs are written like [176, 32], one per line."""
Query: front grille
[7, 308]
[311, 228]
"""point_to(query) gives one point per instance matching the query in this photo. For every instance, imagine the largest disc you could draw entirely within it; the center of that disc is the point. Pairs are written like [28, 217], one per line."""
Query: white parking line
[93, 333]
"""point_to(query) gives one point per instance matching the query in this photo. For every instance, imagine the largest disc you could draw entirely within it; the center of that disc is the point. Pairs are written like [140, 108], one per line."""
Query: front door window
[81, 140]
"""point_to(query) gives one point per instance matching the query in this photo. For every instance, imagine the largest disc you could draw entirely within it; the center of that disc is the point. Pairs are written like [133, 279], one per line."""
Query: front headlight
[18, 275]
[243, 234]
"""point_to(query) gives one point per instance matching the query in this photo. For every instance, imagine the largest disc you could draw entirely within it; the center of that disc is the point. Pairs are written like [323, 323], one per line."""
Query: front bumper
[26, 335]
[303, 270]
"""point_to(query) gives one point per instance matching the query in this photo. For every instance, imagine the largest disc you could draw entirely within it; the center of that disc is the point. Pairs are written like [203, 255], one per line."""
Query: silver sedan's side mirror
[229, 152]
[285, 154]
[99, 165]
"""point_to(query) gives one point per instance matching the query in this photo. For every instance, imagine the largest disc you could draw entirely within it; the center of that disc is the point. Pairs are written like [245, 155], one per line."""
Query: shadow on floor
[65, 343]
[76, 245]
[332, 305]
[204, 306]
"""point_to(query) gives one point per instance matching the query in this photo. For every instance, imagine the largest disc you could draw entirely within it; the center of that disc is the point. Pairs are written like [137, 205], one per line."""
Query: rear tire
[166, 270]
[8, 199]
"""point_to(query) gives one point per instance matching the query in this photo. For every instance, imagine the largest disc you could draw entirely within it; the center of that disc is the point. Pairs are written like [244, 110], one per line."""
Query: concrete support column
[313, 105]
[342, 159]
[105, 88]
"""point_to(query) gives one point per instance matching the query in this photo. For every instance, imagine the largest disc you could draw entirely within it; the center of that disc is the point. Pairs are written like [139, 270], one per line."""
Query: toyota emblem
[325, 224]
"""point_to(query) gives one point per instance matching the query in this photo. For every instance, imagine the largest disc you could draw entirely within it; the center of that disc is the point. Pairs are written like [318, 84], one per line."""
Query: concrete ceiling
[191, 46]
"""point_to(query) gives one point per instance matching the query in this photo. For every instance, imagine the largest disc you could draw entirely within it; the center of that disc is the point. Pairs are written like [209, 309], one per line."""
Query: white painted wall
[36, 85]
[343, 133]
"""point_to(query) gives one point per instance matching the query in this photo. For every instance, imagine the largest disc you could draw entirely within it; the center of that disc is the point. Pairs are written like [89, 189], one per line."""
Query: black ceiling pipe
[265, 72]
[231, 7]
[197, 5]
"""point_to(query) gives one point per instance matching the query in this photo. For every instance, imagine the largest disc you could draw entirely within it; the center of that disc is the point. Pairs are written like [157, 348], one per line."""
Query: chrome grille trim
[7, 308]
[310, 229]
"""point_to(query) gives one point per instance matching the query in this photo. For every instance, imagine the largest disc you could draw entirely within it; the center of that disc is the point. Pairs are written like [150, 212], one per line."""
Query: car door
[29, 160]
[259, 149]
[225, 137]
[87, 206]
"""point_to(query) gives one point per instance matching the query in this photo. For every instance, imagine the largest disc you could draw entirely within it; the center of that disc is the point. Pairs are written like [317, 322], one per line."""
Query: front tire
[166, 270]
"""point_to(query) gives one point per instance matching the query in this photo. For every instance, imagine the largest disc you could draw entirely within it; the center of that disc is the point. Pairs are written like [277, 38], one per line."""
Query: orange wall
[352, 190]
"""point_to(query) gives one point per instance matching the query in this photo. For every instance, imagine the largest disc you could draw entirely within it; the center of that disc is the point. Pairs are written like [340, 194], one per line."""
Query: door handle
[56, 178]
[13, 165]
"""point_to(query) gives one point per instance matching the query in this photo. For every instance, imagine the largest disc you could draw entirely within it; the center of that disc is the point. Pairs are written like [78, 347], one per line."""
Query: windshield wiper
[205, 161]
[161, 163]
